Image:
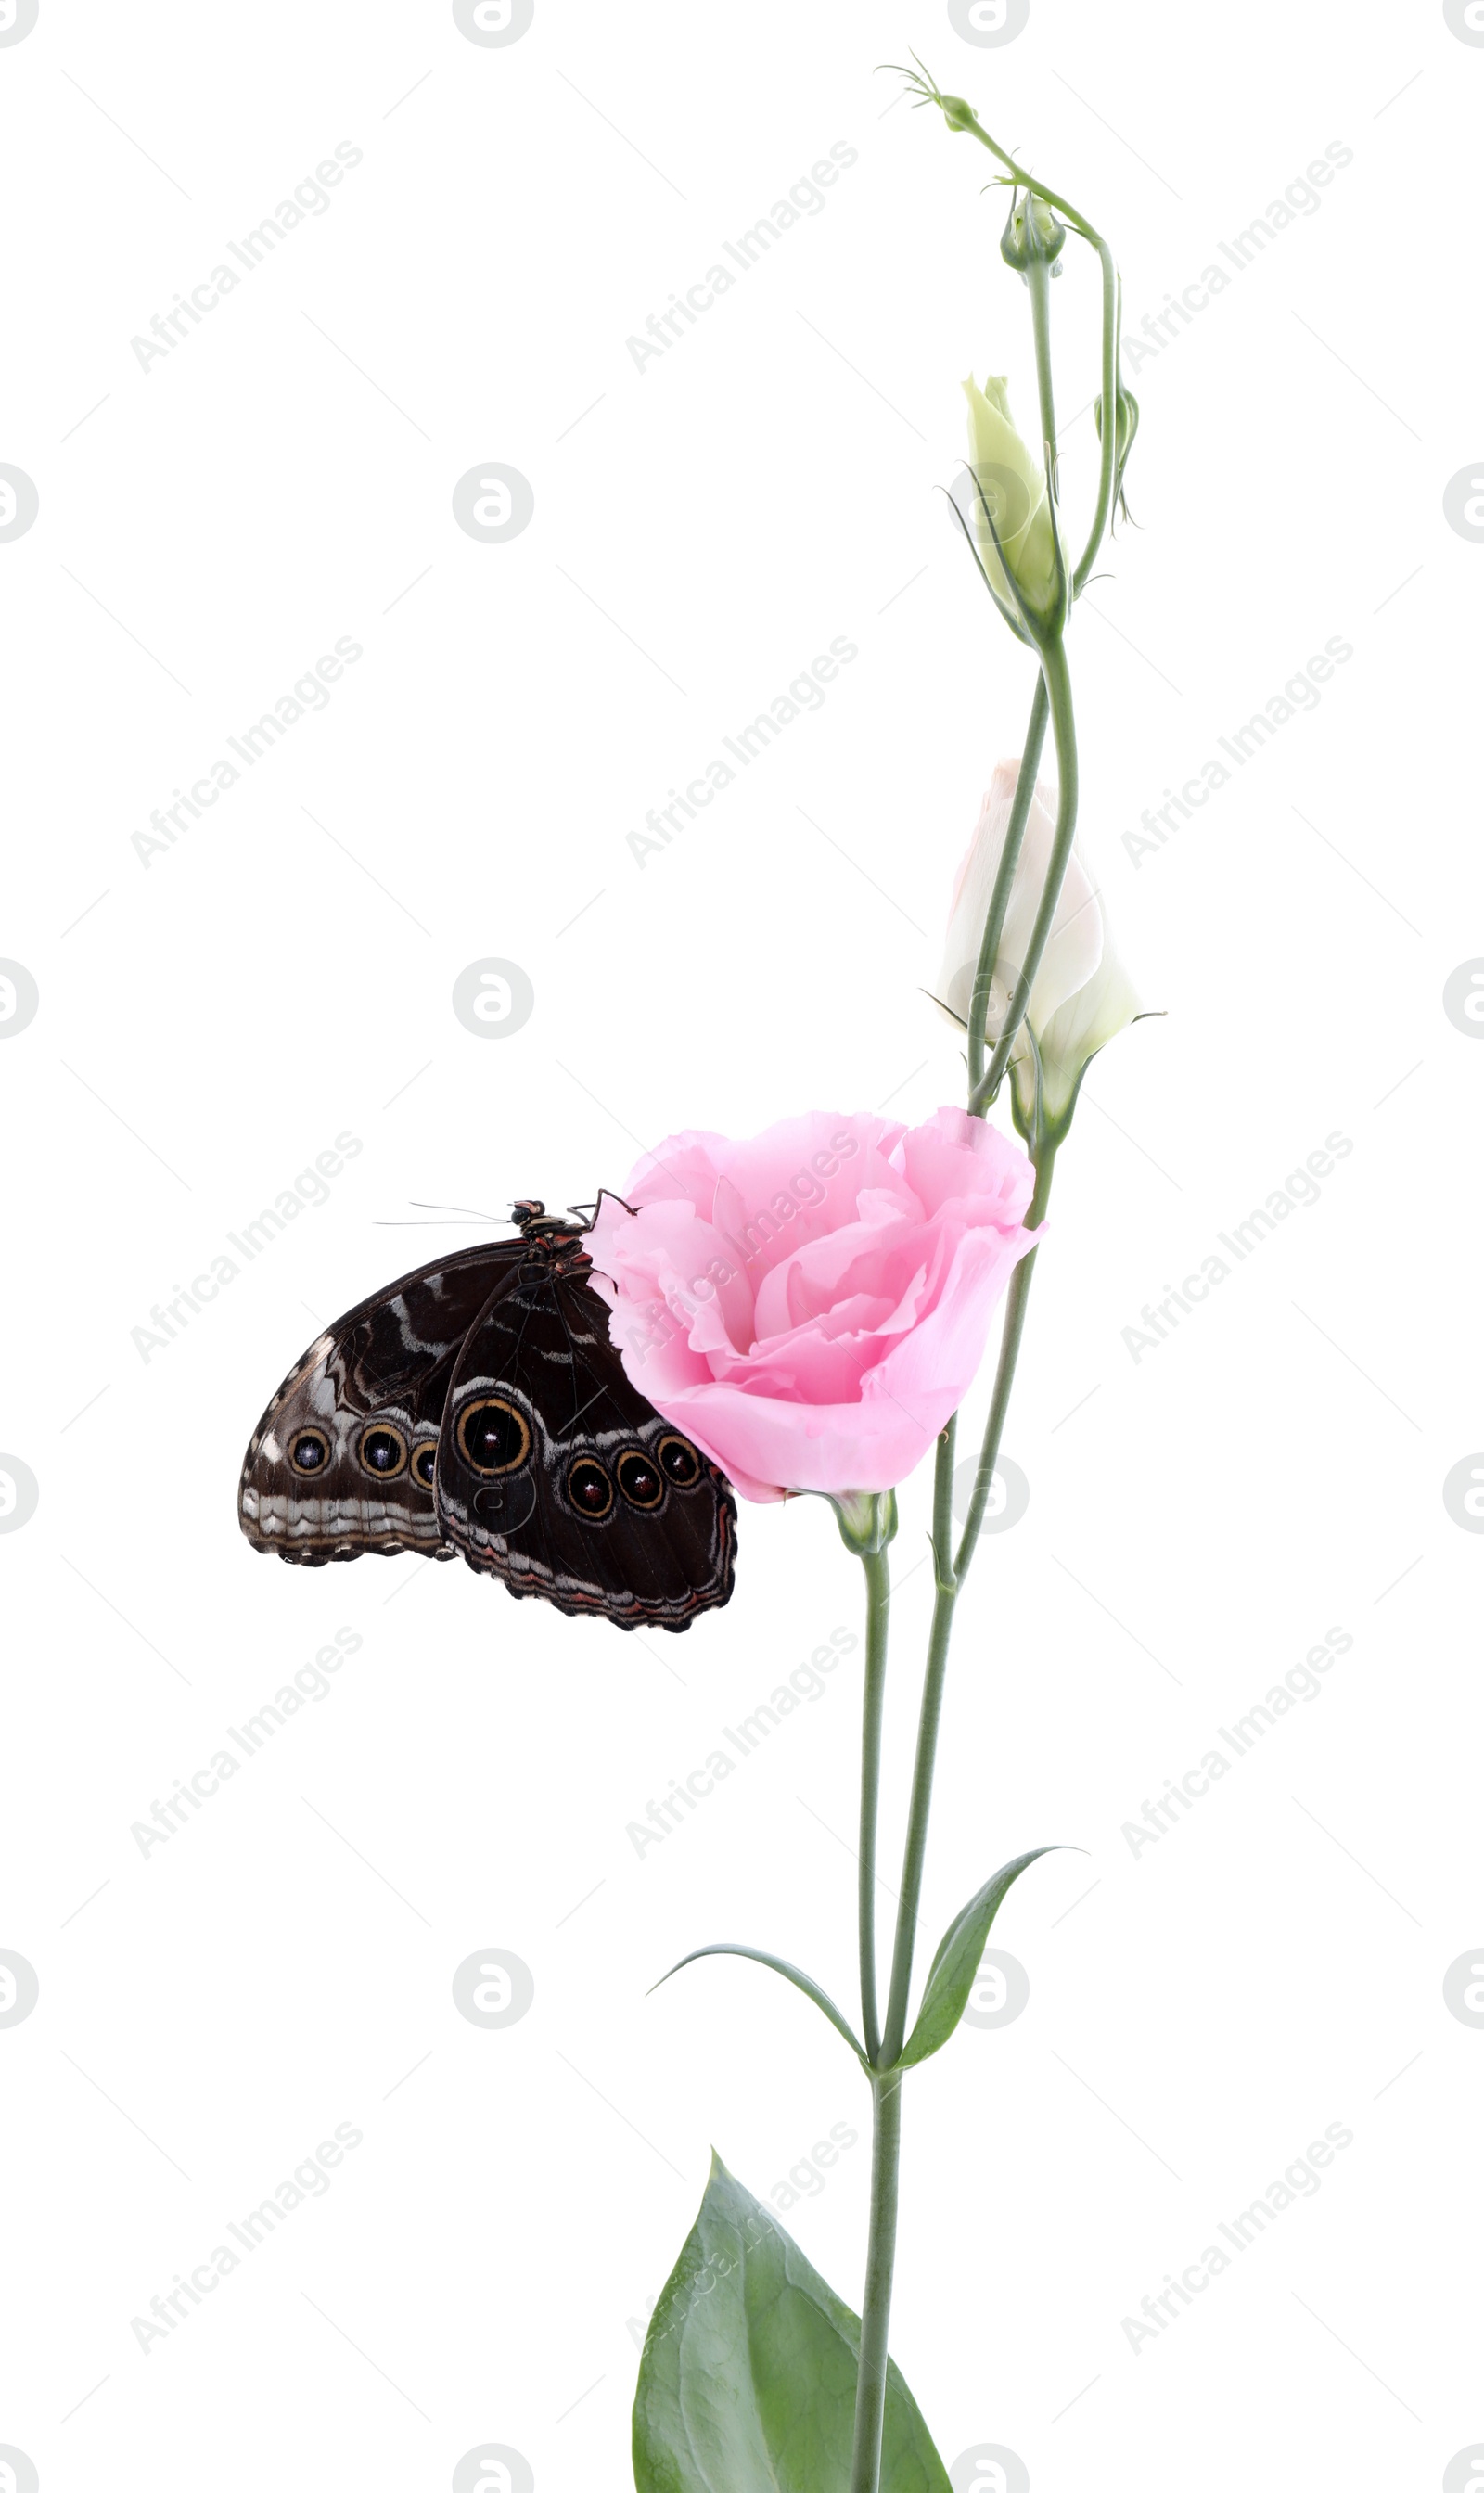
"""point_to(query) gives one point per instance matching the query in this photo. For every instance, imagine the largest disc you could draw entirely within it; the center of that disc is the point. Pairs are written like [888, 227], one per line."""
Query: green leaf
[791, 1973]
[951, 1974]
[747, 2383]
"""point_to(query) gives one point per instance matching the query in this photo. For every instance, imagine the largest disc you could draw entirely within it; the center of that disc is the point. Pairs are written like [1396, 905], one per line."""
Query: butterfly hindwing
[342, 1459]
[557, 1475]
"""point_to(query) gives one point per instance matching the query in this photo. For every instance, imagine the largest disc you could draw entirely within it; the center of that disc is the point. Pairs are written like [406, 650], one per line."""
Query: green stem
[1108, 464]
[1028, 182]
[878, 1610]
[886, 2103]
[914, 1850]
[1058, 687]
[1004, 876]
[876, 2301]
[943, 1509]
[1053, 698]
[886, 2130]
[1053, 693]
[1038, 278]
[1005, 1373]
[1111, 313]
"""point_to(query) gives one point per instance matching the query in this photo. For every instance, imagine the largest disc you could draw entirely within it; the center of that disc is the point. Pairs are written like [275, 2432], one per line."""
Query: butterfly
[477, 1407]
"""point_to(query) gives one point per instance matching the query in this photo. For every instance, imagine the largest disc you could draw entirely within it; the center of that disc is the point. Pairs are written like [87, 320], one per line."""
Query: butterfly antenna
[454, 1207]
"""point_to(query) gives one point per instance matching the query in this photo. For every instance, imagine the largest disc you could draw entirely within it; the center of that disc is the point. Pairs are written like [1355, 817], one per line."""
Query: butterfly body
[476, 1407]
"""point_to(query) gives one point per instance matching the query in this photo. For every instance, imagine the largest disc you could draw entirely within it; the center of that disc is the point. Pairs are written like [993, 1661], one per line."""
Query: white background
[1198, 1516]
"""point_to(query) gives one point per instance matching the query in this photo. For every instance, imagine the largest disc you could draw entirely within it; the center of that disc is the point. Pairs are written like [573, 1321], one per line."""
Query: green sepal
[1032, 232]
[866, 1518]
[747, 2381]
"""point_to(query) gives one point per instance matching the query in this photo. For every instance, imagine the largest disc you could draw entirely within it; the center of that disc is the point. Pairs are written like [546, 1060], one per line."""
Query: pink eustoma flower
[811, 1305]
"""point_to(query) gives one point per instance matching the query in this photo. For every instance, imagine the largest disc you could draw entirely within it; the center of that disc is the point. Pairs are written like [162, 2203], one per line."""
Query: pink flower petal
[811, 1304]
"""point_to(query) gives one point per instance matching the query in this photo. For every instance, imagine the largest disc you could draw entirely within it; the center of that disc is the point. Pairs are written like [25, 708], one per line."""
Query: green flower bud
[1012, 494]
[955, 113]
[1128, 427]
[1032, 232]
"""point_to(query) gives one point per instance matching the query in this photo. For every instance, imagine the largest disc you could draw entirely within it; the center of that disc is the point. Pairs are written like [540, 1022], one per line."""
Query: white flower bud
[1082, 996]
[1009, 491]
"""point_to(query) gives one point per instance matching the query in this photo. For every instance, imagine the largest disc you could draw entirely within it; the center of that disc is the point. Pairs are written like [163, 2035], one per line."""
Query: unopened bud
[955, 113]
[1127, 421]
[1128, 427]
[1082, 996]
[1011, 516]
[1032, 232]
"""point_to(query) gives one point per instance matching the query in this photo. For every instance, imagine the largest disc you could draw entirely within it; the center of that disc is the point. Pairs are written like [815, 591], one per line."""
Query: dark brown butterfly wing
[556, 1475]
[342, 1459]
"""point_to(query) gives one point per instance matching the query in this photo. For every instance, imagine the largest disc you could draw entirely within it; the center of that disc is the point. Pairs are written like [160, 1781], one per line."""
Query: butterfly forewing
[342, 1459]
